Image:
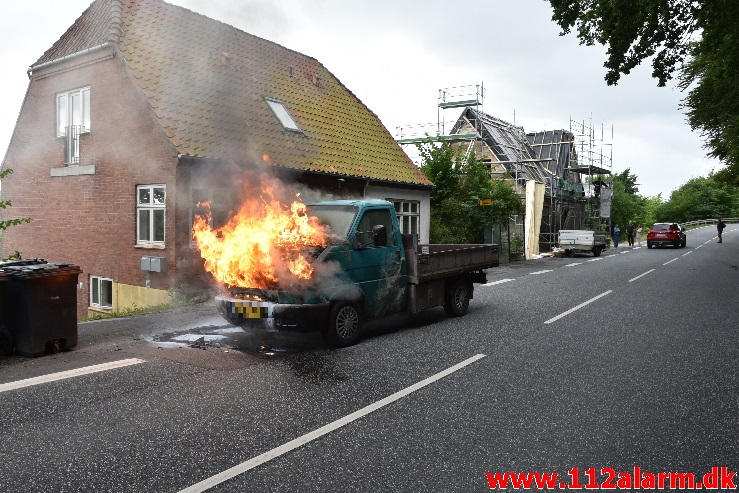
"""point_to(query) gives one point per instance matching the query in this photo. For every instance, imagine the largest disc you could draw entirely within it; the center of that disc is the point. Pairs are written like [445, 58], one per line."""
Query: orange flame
[263, 245]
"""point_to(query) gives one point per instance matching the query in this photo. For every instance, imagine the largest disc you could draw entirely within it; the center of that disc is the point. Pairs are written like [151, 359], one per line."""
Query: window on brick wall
[72, 120]
[409, 215]
[150, 213]
[101, 292]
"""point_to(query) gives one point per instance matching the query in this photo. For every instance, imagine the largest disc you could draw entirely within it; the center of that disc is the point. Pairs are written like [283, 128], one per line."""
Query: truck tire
[344, 325]
[596, 251]
[457, 299]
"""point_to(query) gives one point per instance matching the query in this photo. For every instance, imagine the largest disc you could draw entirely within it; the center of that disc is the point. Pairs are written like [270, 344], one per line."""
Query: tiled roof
[98, 24]
[555, 149]
[206, 82]
[507, 142]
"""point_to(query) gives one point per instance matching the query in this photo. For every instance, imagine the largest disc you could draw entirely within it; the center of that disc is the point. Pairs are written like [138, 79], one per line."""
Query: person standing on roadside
[616, 233]
[720, 227]
[639, 232]
[630, 233]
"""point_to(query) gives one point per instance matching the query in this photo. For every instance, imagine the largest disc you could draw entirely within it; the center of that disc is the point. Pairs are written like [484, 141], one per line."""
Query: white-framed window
[409, 215]
[101, 292]
[278, 108]
[150, 214]
[73, 111]
[219, 200]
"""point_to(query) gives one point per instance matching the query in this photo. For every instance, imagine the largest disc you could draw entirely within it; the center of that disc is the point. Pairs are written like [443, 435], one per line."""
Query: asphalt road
[625, 360]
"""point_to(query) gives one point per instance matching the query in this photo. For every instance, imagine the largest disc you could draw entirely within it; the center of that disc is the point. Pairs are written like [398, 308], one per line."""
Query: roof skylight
[282, 115]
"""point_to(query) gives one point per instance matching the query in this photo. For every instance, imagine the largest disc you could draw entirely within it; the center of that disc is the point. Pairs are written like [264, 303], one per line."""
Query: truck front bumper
[267, 315]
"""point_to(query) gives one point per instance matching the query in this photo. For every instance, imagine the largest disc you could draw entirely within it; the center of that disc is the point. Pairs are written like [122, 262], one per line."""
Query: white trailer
[576, 240]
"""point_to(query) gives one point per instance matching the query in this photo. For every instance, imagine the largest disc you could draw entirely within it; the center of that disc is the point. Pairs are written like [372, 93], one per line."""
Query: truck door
[379, 271]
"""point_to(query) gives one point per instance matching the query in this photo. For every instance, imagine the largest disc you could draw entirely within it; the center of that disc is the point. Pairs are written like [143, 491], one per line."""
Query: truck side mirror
[379, 235]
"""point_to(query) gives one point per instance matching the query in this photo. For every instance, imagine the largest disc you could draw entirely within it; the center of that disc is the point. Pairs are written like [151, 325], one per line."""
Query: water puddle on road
[267, 344]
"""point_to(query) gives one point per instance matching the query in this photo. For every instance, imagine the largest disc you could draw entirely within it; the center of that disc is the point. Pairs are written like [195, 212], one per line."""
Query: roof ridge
[494, 119]
[101, 22]
[116, 21]
[231, 27]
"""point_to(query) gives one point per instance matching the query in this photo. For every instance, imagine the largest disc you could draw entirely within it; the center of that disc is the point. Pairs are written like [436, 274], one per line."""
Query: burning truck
[329, 266]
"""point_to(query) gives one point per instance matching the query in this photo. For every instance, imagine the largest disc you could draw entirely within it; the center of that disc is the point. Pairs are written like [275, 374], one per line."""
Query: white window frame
[151, 209]
[281, 113]
[406, 216]
[65, 111]
[96, 285]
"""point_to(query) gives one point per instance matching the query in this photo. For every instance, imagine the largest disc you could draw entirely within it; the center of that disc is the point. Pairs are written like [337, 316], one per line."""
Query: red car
[661, 234]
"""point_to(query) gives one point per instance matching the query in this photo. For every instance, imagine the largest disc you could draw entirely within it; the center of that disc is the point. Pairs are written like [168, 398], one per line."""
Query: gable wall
[90, 219]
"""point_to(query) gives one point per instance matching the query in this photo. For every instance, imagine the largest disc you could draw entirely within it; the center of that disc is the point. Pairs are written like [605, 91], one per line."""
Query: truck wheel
[596, 251]
[7, 347]
[344, 324]
[457, 299]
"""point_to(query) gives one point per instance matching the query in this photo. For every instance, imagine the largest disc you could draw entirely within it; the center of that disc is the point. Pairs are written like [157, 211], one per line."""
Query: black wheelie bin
[39, 306]
[7, 342]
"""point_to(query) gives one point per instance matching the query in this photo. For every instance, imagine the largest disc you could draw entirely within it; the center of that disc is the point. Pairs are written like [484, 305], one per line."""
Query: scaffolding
[449, 98]
[557, 158]
[595, 160]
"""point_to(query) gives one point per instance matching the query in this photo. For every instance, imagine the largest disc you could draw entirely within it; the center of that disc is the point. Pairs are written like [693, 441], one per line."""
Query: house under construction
[568, 165]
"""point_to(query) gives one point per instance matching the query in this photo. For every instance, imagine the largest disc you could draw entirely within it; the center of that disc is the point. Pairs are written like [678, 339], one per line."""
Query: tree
[4, 204]
[700, 198]
[456, 213]
[633, 30]
[628, 179]
[627, 204]
[442, 166]
[698, 39]
[6, 223]
[651, 206]
[713, 102]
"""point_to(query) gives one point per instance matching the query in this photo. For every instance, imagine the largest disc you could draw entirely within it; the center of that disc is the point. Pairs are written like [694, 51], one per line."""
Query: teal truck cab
[369, 270]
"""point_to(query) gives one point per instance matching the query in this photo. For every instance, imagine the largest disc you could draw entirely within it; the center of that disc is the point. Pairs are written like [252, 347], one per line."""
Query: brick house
[142, 109]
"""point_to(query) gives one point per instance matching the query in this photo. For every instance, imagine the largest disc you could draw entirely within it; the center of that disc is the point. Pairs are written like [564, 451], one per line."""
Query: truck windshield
[337, 217]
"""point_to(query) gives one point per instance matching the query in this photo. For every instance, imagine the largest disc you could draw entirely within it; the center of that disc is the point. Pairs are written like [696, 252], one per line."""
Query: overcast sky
[396, 55]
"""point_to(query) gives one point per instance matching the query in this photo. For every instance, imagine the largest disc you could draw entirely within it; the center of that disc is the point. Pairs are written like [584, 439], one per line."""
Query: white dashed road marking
[493, 283]
[208, 483]
[577, 307]
[642, 275]
[53, 377]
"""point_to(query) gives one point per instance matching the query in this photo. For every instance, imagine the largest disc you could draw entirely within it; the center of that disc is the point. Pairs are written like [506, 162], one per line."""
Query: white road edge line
[669, 262]
[539, 272]
[53, 377]
[637, 277]
[596, 259]
[212, 481]
[572, 265]
[687, 253]
[493, 283]
[577, 307]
